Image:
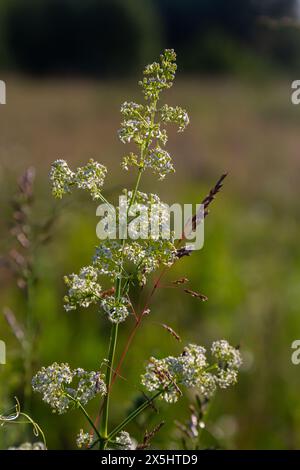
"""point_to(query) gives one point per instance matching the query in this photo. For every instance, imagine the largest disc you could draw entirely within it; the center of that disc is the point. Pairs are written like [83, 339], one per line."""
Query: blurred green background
[68, 65]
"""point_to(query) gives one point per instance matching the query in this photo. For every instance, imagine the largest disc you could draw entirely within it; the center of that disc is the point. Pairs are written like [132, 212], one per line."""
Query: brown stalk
[149, 435]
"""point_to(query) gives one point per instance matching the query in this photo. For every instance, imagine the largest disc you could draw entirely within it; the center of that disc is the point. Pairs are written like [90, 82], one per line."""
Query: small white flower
[159, 76]
[54, 383]
[226, 377]
[84, 289]
[175, 115]
[116, 309]
[131, 109]
[62, 178]
[124, 441]
[83, 439]
[191, 369]
[89, 177]
[160, 162]
[140, 125]
[223, 351]
[108, 258]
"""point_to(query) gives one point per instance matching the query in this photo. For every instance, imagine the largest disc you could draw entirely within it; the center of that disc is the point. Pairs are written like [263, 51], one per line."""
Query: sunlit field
[248, 267]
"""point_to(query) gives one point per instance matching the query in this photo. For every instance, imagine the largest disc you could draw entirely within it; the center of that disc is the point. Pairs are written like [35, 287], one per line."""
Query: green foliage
[113, 37]
[71, 36]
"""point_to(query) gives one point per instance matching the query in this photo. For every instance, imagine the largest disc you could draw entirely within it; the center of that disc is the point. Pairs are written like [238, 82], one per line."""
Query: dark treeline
[113, 37]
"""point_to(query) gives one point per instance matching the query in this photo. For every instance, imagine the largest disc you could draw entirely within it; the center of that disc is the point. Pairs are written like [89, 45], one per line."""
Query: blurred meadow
[243, 123]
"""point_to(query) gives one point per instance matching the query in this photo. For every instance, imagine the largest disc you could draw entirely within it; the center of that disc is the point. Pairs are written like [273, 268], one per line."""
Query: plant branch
[111, 355]
[206, 202]
[133, 415]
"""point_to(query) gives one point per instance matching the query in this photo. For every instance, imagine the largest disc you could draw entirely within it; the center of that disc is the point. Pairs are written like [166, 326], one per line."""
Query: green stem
[111, 355]
[133, 415]
[85, 413]
[89, 420]
[36, 428]
[103, 199]
[114, 330]
[113, 343]
[136, 188]
[127, 420]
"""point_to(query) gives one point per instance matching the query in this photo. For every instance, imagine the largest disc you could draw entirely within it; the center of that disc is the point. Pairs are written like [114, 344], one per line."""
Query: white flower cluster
[124, 441]
[89, 177]
[84, 439]
[108, 258]
[145, 254]
[30, 446]
[175, 115]
[146, 199]
[132, 110]
[160, 162]
[89, 385]
[116, 309]
[157, 211]
[141, 130]
[229, 362]
[192, 370]
[62, 178]
[130, 160]
[159, 76]
[84, 289]
[148, 255]
[226, 354]
[54, 383]
[139, 124]
[130, 130]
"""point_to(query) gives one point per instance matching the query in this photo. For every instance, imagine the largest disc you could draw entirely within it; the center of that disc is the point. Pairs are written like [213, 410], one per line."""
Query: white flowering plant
[144, 125]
